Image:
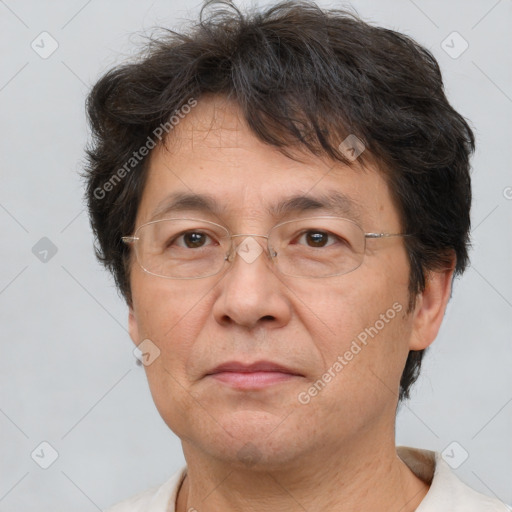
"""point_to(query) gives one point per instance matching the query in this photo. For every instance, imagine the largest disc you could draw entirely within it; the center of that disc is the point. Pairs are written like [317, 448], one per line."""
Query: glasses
[194, 248]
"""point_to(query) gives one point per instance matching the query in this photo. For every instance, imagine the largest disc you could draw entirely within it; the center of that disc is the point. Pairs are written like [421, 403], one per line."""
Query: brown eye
[317, 238]
[314, 238]
[194, 239]
[189, 240]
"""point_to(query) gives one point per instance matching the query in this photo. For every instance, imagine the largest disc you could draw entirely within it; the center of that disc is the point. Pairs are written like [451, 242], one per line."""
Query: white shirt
[446, 494]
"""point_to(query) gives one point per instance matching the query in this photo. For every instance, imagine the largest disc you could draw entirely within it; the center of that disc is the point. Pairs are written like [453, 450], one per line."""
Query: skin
[338, 451]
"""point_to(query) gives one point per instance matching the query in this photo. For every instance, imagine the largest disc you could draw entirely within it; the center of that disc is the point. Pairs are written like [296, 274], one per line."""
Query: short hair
[303, 77]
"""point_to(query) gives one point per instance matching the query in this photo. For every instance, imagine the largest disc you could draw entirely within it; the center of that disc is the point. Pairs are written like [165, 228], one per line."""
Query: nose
[251, 292]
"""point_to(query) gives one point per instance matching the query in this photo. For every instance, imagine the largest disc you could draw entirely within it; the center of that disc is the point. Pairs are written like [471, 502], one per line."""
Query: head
[252, 109]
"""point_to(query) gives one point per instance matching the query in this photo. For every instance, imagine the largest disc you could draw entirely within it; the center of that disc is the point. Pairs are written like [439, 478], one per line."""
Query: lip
[256, 375]
[256, 367]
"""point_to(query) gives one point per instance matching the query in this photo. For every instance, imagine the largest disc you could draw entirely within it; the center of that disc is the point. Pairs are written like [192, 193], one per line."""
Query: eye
[189, 240]
[318, 238]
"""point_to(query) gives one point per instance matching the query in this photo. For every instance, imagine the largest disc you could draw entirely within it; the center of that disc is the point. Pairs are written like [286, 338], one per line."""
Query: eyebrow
[333, 202]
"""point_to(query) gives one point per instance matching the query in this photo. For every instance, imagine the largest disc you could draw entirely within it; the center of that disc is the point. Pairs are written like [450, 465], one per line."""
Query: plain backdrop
[68, 376]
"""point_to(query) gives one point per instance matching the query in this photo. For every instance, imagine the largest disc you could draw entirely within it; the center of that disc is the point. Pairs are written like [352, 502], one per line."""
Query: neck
[369, 478]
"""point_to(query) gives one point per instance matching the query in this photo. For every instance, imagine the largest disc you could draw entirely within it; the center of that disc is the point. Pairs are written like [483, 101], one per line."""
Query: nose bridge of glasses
[248, 247]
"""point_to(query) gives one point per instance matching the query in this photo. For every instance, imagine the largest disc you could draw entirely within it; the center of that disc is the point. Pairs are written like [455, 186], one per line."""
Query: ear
[430, 307]
[133, 326]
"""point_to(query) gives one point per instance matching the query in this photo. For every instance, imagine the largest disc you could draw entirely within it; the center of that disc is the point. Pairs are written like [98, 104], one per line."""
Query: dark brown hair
[303, 77]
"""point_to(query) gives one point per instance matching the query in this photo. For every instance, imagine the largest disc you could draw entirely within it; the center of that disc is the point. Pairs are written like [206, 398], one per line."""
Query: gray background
[68, 375]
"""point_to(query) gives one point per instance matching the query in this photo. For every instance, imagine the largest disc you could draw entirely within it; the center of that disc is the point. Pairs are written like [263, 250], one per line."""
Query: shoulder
[447, 492]
[155, 499]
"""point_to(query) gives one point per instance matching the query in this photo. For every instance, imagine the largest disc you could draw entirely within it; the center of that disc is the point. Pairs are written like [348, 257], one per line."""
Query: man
[283, 199]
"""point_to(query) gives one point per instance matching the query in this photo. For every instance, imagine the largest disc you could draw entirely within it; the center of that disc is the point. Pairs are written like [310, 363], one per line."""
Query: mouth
[252, 376]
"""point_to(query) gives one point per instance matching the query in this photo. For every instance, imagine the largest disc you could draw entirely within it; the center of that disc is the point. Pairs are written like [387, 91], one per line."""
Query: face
[344, 339]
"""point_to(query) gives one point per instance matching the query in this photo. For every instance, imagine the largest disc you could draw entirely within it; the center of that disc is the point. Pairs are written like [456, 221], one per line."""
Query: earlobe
[430, 308]
[133, 326]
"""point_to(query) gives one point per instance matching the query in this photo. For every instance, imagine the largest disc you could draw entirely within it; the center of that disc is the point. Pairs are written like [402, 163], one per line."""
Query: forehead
[213, 163]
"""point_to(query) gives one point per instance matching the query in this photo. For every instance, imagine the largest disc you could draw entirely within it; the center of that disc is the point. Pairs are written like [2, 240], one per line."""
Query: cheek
[362, 333]
[336, 313]
[167, 314]
[170, 315]
[361, 373]
[164, 309]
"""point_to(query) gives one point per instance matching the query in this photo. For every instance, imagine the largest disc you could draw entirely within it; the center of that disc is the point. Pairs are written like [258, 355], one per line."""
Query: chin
[254, 440]
[256, 454]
